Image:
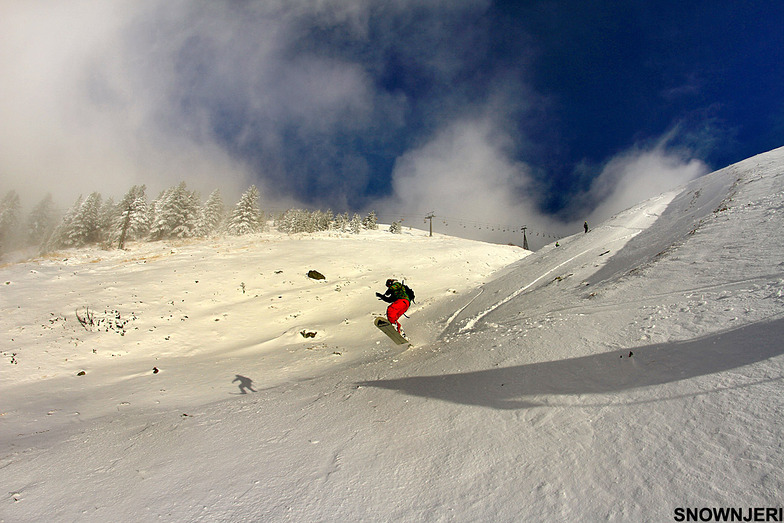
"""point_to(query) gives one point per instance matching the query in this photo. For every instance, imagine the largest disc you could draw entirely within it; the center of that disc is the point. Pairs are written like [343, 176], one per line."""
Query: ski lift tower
[525, 240]
[430, 217]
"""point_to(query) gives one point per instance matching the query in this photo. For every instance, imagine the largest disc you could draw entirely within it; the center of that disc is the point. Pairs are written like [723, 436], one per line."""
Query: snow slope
[629, 372]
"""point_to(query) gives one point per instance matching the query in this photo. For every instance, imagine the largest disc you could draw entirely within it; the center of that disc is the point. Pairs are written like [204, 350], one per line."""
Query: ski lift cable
[468, 222]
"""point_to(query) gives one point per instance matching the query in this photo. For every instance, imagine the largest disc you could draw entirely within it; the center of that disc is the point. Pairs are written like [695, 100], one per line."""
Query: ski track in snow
[646, 216]
[472, 322]
[461, 309]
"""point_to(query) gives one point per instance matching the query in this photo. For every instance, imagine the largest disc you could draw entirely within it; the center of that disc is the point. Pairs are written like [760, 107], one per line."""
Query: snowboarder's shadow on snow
[245, 385]
[540, 384]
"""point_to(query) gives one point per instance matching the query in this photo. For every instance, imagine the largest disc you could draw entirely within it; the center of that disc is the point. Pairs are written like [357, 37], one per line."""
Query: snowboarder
[398, 299]
[585, 226]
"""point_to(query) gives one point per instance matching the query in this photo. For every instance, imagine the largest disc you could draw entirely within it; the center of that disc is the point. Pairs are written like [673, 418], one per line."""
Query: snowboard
[390, 330]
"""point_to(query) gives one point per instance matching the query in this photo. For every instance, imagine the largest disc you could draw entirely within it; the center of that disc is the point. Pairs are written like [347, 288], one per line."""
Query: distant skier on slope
[398, 296]
[585, 226]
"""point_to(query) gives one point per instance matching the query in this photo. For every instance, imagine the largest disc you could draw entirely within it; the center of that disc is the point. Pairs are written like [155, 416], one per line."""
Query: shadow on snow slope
[608, 373]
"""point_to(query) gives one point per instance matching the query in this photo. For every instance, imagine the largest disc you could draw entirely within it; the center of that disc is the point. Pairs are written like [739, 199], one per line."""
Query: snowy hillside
[624, 375]
[235, 305]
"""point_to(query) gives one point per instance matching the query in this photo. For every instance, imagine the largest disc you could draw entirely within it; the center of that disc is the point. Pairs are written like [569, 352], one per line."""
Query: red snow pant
[396, 310]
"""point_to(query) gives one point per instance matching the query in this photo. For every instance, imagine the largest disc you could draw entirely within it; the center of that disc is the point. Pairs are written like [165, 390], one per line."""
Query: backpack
[409, 292]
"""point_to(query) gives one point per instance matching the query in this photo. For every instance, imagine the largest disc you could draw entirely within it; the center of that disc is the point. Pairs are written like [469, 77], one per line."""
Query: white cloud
[100, 96]
[638, 174]
[467, 171]
[462, 170]
[79, 116]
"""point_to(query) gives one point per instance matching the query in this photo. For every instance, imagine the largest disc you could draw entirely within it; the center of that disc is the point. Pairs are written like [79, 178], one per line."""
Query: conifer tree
[371, 221]
[176, 214]
[62, 233]
[341, 222]
[10, 215]
[107, 215]
[158, 216]
[188, 205]
[41, 221]
[247, 216]
[294, 221]
[212, 214]
[355, 226]
[80, 226]
[86, 225]
[322, 221]
[132, 217]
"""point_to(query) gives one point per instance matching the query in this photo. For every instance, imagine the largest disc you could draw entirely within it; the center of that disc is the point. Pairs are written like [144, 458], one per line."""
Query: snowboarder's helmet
[390, 281]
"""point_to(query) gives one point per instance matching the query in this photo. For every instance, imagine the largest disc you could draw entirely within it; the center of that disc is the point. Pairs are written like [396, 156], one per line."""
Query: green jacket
[395, 292]
[398, 291]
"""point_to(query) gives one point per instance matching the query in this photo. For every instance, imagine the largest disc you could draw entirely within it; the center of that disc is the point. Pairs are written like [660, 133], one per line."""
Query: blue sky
[540, 113]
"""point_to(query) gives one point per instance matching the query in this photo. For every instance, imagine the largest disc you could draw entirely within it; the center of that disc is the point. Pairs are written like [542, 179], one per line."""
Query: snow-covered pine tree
[305, 221]
[277, 219]
[131, 221]
[284, 221]
[189, 207]
[327, 220]
[247, 216]
[61, 237]
[341, 222]
[41, 221]
[370, 221]
[85, 228]
[396, 228]
[311, 222]
[321, 220]
[10, 216]
[212, 214]
[294, 221]
[107, 214]
[159, 228]
[355, 226]
[176, 214]
[80, 226]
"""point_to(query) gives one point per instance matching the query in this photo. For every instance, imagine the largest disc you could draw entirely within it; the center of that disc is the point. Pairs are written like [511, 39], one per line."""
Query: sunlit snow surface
[625, 373]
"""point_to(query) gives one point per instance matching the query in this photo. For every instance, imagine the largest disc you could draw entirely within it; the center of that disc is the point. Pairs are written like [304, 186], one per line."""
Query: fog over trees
[176, 213]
